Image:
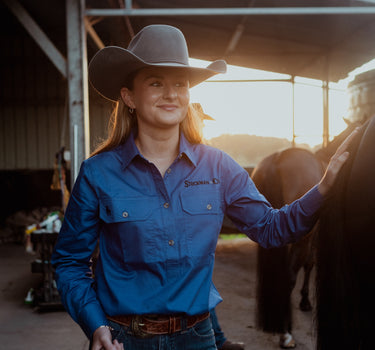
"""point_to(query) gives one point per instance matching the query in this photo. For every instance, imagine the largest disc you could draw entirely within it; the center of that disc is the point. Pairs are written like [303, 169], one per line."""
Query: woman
[155, 198]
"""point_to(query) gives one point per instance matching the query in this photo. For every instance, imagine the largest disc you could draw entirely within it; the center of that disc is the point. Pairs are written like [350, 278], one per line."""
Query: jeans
[199, 337]
[219, 334]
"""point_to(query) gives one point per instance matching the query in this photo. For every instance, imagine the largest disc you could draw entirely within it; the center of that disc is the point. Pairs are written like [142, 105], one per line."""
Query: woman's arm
[254, 216]
[72, 255]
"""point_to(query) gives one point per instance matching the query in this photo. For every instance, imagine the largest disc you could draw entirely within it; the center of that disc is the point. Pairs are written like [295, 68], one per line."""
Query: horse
[345, 265]
[279, 178]
[283, 177]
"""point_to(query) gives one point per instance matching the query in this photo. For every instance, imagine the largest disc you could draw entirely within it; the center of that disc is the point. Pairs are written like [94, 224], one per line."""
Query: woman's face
[160, 97]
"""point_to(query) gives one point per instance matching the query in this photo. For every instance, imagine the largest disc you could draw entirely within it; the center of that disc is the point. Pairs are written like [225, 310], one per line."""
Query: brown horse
[345, 252]
[282, 178]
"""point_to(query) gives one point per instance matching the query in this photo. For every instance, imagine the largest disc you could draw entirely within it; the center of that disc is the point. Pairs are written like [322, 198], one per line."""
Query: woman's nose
[170, 91]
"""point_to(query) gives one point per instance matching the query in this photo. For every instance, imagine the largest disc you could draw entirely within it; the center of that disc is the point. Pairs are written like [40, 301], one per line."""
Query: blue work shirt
[157, 236]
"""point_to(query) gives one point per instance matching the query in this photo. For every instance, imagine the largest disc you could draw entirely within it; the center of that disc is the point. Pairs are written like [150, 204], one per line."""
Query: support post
[293, 112]
[325, 113]
[77, 85]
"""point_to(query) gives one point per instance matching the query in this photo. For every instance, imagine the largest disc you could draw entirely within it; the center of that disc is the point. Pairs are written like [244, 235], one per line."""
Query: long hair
[122, 122]
[120, 125]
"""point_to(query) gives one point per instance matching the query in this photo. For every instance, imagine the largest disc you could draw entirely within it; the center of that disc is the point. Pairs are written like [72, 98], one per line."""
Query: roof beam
[234, 11]
[91, 31]
[236, 36]
[38, 35]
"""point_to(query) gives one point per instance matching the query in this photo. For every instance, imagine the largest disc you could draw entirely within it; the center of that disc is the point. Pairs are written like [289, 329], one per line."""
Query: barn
[48, 108]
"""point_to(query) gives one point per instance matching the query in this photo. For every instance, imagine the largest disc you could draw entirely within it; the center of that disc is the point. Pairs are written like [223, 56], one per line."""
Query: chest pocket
[129, 229]
[202, 218]
[205, 203]
[124, 210]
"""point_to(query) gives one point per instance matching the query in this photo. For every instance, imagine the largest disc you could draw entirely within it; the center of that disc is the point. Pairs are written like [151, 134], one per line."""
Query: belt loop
[172, 324]
[183, 323]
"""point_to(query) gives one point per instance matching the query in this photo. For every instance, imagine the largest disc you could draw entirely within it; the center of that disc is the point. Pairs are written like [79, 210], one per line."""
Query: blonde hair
[122, 122]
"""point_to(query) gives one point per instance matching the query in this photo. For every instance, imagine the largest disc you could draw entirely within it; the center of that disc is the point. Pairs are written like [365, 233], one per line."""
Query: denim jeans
[219, 334]
[199, 337]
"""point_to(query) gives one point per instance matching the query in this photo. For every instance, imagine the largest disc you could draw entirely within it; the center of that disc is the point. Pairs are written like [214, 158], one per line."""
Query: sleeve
[253, 214]
[72, 255]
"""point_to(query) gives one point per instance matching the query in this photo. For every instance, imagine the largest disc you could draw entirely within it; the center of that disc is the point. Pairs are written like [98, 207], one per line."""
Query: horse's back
[285, 176]
[299, 170]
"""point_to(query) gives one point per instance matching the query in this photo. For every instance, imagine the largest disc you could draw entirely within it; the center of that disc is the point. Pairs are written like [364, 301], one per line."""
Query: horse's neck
[324, 154]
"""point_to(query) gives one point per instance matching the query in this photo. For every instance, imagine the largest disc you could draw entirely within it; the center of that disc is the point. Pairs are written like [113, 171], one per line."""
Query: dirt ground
[22, 327]
[235, 278]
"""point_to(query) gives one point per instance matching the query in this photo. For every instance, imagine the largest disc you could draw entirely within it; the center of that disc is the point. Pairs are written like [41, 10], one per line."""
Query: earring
[131, 110]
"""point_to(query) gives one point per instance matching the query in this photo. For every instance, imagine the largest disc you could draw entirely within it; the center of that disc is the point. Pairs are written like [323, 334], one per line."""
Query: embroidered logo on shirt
[214, 181]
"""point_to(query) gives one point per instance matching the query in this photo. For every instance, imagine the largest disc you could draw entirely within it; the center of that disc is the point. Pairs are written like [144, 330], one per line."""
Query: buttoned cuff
[91, 318]
[312, 201]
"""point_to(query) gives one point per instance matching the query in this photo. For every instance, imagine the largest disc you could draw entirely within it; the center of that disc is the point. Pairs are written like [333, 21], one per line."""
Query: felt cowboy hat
[156, 45]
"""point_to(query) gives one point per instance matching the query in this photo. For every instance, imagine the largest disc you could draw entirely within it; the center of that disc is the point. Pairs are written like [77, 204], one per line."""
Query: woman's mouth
[168, 107]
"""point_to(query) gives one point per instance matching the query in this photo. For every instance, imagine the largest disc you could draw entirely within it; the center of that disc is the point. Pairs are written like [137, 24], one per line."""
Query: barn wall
[33, 118]
[33, 114]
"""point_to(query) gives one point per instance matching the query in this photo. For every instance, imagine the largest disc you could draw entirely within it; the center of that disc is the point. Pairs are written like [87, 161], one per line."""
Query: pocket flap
[124, 209]
[201, 204]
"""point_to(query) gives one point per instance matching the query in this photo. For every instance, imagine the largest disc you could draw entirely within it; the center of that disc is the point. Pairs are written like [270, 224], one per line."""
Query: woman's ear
[127, 97]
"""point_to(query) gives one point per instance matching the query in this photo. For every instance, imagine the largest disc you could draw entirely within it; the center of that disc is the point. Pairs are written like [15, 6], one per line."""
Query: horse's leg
[287, 341]
[295, 262]
[305, 304]
[300, 254]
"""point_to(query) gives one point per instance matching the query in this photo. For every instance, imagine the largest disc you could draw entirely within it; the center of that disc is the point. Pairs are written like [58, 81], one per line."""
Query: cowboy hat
[156, 45]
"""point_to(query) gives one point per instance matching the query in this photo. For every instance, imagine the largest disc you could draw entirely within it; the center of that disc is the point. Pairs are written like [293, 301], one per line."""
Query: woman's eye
[181, 84]
[155, 83]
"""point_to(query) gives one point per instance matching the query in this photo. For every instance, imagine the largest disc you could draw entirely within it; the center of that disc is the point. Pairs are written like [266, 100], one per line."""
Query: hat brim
[110, 67]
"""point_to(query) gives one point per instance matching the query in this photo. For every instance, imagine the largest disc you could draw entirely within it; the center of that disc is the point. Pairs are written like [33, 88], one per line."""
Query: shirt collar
[187, 149]
[128, 151]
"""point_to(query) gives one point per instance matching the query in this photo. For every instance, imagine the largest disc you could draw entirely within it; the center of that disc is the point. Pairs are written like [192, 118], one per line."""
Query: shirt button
[166, 205]
[209, 206]
[171, 242]
[169, 171]
[125, 214]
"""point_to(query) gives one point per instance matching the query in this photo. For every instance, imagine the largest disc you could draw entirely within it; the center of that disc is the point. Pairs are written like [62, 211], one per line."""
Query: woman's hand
[335, 164]
[102, 340]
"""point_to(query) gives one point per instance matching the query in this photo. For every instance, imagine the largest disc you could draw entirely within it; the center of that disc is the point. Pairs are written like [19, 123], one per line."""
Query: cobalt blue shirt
[158, 235]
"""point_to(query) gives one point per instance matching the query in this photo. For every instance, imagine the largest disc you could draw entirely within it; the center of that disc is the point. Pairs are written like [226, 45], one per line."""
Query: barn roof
[319, 39]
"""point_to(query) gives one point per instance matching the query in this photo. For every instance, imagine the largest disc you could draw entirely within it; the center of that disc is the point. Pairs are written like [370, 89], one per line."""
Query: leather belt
[147, 325]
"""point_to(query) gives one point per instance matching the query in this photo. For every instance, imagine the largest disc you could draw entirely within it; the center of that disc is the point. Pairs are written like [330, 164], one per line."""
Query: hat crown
[160, 44]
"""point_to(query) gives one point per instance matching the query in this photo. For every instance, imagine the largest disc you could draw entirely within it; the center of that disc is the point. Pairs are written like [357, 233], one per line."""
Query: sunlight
[266, 108]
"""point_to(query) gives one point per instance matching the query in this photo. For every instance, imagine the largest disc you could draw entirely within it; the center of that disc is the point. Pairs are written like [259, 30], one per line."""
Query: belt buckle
[136, 327]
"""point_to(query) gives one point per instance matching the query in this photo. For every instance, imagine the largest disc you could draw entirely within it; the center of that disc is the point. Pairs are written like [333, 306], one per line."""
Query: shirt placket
[168, 219]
